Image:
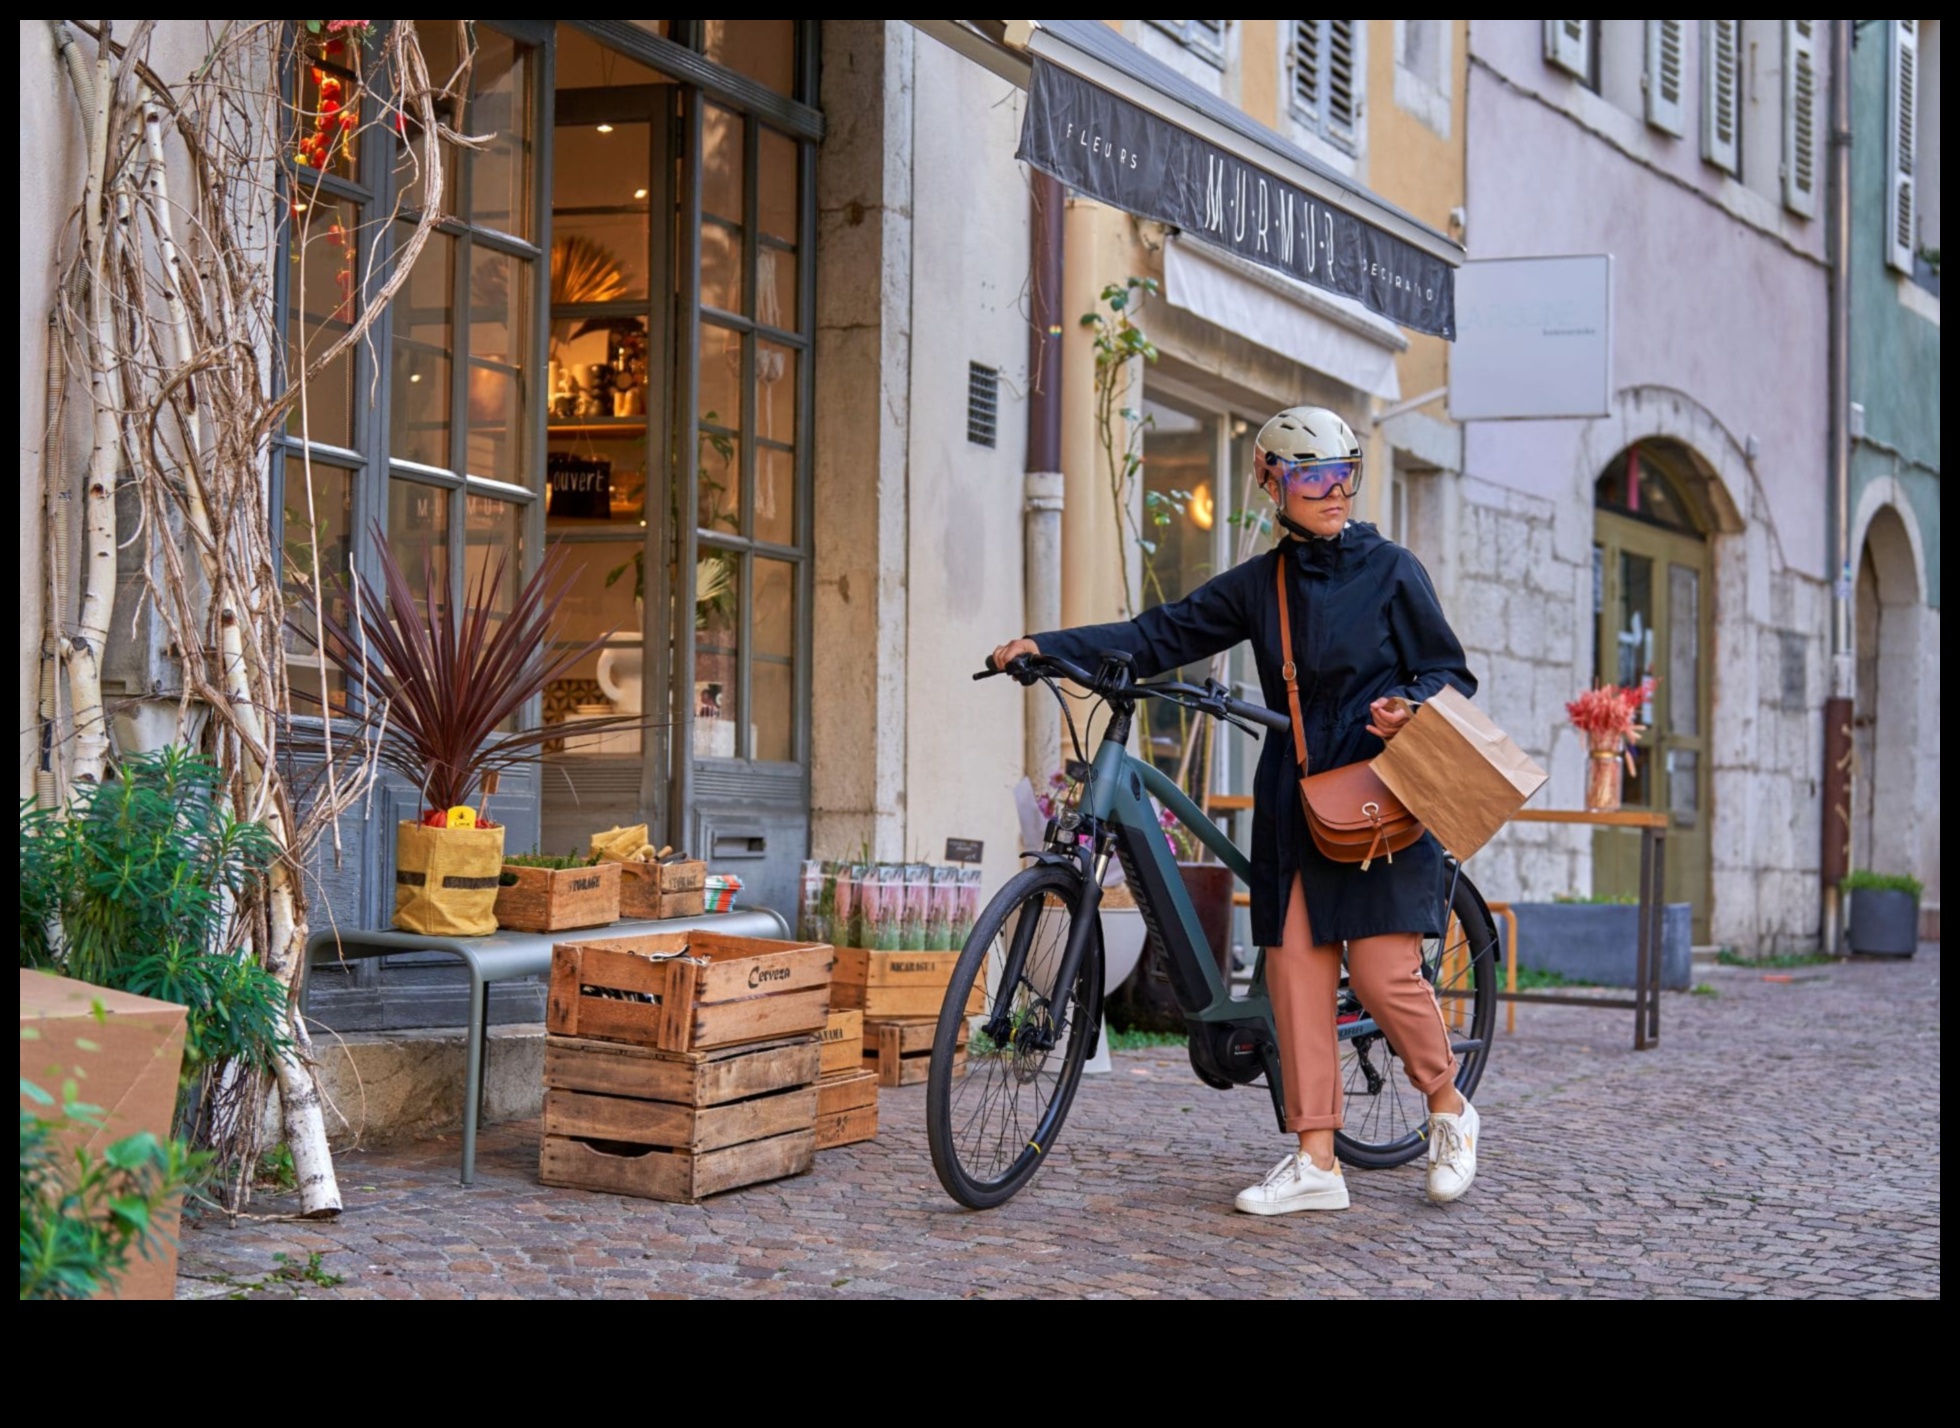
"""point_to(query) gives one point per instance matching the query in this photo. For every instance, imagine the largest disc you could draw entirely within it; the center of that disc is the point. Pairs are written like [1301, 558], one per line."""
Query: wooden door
[1652, 602]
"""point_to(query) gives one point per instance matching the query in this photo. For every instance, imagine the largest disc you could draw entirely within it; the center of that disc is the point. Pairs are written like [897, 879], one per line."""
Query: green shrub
[136, 888]
[1881, 882]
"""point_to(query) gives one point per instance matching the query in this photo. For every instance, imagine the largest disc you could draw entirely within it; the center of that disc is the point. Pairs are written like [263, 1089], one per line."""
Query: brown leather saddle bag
[1350, 812]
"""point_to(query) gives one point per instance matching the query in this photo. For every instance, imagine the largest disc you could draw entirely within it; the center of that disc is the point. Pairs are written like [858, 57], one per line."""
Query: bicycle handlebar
[1209, 698]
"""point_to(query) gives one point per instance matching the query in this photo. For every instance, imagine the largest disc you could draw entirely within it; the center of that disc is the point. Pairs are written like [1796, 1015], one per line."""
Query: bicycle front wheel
[1387, 1118]
[995, 1103]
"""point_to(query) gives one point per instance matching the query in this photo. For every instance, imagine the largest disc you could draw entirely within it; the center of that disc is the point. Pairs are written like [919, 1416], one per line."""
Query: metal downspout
[1835, 861]
[1042, 491]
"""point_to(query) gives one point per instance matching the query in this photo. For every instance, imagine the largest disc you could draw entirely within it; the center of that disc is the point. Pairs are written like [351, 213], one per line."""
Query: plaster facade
[1894, 504]
[1720, 308]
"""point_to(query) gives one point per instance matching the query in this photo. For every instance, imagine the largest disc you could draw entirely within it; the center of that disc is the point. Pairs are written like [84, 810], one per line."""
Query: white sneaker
[1452, 1152]
[1296, 1183]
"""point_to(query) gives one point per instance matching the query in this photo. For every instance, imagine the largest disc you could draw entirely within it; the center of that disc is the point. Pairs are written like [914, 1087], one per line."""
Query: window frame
[370, 462]
[1203, 38]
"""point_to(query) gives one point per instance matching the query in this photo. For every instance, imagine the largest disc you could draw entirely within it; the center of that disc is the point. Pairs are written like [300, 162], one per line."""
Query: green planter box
[1597, 942]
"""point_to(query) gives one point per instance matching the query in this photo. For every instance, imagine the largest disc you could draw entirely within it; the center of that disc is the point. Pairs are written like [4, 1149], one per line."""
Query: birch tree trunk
[299, 1094]
[82, 651]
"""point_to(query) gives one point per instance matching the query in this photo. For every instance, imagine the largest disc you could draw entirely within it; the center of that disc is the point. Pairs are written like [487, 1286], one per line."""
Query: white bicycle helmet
[1304, 434]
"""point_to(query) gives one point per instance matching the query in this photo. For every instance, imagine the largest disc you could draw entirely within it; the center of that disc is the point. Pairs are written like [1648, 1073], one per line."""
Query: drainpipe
[1042, 490]
[1835, 861]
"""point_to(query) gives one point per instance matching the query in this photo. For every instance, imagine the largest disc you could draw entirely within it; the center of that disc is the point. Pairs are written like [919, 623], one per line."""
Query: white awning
[1324, 331]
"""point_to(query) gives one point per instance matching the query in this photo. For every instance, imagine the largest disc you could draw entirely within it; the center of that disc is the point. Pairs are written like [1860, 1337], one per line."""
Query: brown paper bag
[446, 879]
[1458, 772]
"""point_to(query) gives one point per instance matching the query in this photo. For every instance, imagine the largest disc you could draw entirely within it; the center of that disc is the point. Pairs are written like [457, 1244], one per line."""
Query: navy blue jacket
[1366, 623]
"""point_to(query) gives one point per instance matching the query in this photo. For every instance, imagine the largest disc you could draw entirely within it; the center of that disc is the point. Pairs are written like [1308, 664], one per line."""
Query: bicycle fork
[1047, 1035]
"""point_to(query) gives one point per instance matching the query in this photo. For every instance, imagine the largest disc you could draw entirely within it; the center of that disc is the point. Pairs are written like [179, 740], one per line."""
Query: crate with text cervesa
[847, 1107]
[688, 991]
[899, 983]
[900, 1052]
[677, 1125]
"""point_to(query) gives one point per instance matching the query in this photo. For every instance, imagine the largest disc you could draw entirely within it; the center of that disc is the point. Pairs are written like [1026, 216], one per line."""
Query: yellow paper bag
[1458, 772]
[446, 879]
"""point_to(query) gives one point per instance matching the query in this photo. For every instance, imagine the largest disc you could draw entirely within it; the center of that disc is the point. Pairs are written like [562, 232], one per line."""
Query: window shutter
[1343, 103]
[1568, 46]
[1901, 146]
[1721, 94]
[1800, 116]
[1667, 109]
[1307, 84]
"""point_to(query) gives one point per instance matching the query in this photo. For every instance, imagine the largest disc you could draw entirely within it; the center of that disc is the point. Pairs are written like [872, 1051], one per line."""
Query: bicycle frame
[1233, 1040]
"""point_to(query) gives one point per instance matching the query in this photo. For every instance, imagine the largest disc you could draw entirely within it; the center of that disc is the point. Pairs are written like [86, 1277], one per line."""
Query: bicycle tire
[984, 1149]
[1386, 1118]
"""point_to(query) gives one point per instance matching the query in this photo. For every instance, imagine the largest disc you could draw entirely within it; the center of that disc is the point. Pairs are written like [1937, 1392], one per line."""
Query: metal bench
[506, 956]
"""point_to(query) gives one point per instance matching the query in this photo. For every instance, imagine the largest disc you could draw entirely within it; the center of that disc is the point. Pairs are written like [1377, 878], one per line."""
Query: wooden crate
[847, 1108]
[688, 991]
[558, 899]
[843, 1040]
[677, 1126]
[901, 1051]
[888, 985]
[648, 890]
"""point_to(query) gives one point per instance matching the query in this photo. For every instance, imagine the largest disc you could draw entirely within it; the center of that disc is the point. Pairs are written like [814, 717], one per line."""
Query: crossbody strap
[1289, 672]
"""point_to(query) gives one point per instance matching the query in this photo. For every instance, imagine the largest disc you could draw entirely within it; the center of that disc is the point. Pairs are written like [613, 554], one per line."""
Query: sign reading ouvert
[1104, 146]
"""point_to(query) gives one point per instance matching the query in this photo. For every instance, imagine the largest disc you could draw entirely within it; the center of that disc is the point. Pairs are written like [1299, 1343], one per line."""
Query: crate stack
[681, 1065]
[898, 994]
[847, 1093]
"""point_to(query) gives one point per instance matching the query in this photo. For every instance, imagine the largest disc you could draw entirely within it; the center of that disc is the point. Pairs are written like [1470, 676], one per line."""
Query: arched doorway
[1886, 712]
[1653, 614]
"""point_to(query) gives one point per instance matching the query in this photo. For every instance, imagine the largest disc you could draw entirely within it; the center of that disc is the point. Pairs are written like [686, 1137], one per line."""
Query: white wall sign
[1534, 338]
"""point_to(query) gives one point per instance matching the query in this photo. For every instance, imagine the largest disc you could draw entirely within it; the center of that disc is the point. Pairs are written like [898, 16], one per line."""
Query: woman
[1370, 642]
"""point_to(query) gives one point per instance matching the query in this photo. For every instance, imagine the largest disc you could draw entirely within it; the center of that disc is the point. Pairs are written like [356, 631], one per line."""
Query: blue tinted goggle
[1317, 478]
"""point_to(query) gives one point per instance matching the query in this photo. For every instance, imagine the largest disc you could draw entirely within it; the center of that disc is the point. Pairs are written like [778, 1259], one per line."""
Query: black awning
[1111, 122]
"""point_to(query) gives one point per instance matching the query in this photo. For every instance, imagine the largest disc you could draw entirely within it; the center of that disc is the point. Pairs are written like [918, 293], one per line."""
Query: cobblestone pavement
[1783, 1141]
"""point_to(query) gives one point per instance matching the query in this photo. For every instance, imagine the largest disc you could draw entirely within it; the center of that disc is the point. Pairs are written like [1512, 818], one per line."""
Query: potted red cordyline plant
[433, 682]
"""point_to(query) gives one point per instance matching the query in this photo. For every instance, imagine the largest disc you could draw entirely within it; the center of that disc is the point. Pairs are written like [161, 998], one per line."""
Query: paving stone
[1774, 1145]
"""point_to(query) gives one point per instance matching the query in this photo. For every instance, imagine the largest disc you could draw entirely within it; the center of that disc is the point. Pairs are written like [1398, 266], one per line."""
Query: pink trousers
[1386, 974]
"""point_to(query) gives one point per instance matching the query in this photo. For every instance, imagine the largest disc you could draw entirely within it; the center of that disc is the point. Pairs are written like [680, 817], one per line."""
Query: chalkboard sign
[963, 850]
[580, 486]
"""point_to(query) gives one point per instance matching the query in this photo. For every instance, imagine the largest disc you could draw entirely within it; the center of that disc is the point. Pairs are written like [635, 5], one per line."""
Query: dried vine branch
[166, 305]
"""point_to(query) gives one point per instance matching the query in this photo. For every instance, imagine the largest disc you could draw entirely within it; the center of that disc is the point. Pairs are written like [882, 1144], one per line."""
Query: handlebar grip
[1259, 714]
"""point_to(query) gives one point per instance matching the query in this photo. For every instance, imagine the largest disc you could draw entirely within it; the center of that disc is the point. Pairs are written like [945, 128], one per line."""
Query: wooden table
[1646, 1001]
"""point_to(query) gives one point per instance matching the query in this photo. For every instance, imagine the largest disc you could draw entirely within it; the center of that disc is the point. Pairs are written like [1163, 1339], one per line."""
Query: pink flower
[334, 27]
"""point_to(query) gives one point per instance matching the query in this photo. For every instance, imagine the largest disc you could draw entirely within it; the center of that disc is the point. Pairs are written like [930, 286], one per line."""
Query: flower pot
[1884, 922]
[446, 879]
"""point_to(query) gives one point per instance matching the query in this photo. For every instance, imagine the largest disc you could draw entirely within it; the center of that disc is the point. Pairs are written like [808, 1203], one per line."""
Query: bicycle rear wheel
[1387, 1118]
[991, 1121]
